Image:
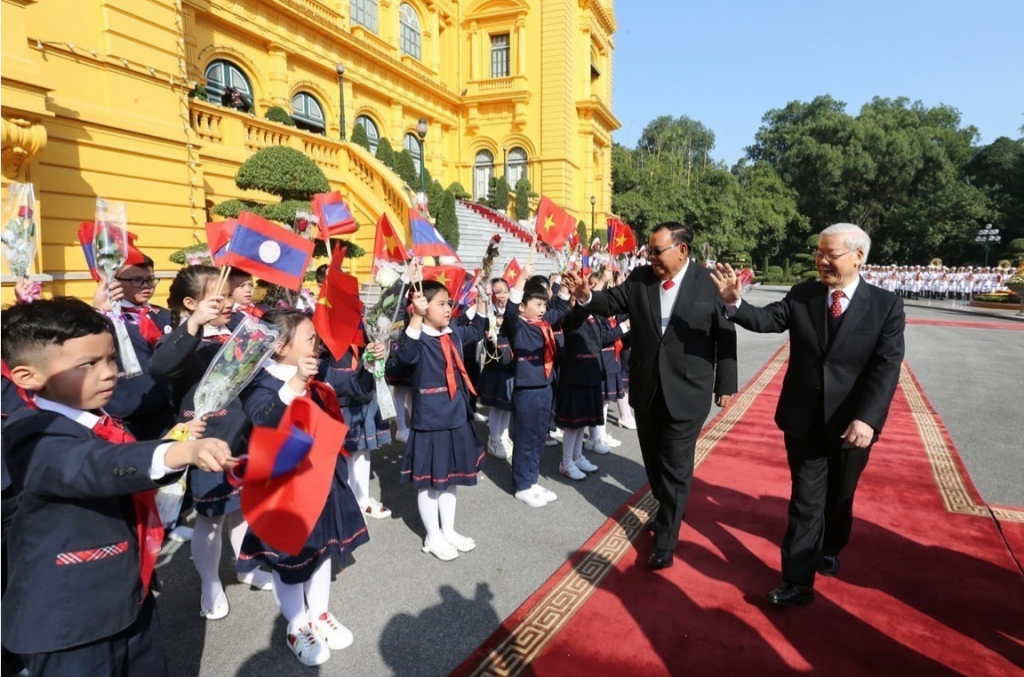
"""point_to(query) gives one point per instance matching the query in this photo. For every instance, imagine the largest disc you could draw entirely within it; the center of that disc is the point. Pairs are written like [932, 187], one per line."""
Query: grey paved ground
[414, 615]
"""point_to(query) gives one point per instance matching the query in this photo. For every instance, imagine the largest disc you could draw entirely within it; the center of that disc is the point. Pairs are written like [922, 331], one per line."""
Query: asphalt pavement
[412, 614]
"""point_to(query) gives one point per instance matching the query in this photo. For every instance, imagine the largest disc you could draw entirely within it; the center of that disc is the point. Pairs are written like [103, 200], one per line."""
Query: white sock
[625, 413]
[206, 546]
[594, 433]
[602, 430]
[506, 422]
[569, 437]
[427, 502]
[359, 474]
[577, 451]
[291, 602]
[494, 423]
[318, 591]
[446, 509]
[401, 393]
[238, 527]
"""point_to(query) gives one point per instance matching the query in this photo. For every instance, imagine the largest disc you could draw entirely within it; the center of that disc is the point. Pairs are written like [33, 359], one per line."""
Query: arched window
[412, 36]
[308, 114]
[516, 166]
[364, 13]
[412, 144]
[227, 85]
[483, 170]
[371, 131]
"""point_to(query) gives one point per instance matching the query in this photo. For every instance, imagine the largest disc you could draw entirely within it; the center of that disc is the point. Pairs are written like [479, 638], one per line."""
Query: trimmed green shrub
[447, 222]
[581, 233]
[198, 92]
[282, 171]
[774, 271]
[405, 167]
[458, 191]
[524, 192]
[385, 153]
[180, 257]
[359, 137]
[435, 196]
[232, 208]
[321, 250]
[500, 194]
[278, 114]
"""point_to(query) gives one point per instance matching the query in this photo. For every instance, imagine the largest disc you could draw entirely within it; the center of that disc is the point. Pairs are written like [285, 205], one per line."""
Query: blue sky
[727, 62]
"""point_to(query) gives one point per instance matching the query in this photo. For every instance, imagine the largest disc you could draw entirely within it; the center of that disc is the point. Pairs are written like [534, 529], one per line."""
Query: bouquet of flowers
[19, 228]
[380, 320]
[304, 222]
[110, 244]
[490, 256]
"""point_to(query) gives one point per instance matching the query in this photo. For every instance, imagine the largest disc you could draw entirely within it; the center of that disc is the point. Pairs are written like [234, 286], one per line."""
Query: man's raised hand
[728, 282]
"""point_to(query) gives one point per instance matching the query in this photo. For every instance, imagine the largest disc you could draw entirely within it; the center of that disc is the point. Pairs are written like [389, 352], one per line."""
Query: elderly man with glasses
[684, 354]
[846, 350]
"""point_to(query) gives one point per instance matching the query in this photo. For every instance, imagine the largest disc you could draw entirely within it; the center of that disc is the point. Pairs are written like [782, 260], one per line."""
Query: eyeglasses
[822, 256]
[655, 251]
[139, 282]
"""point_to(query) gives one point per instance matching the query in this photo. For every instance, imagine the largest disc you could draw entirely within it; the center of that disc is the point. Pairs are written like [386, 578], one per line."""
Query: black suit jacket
[73, 550]
[694, 358]
[830, 383]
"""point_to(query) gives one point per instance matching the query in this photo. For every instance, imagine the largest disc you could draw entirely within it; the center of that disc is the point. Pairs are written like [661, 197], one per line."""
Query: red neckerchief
[453, 360]
[217, 338]
[549, 344]
[614, 322]
[147, 327]
[148, 527]
[250, 310]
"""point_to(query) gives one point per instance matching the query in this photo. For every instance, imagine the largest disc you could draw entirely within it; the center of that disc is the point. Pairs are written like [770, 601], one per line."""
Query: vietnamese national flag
[554, 225]
[333, 215]
[621, 239]
[426, 240]
[269, 252]
[218, 235]
[387, 246]
[512, 272]
[467, 296]
[452, 277]
[339, 311]
[86, 232]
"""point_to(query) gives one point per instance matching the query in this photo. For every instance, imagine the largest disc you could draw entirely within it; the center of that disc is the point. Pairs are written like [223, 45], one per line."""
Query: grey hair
[854, 236]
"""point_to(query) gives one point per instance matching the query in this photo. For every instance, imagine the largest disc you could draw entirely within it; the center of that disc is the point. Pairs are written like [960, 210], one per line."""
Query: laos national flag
[269, 252]
[333, 215]
[86, 232]
[426, 241]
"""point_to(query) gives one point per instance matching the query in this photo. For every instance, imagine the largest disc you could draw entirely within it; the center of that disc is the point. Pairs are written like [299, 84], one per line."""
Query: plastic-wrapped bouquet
[490, 256]
[110, 246]
[19, 228]
[379, 321]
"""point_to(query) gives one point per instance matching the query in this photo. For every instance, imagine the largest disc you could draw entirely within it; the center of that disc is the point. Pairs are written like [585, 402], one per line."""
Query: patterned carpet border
[527, 639]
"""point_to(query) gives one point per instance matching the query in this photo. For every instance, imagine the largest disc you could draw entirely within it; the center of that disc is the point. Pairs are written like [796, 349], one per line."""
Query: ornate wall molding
[21, 140]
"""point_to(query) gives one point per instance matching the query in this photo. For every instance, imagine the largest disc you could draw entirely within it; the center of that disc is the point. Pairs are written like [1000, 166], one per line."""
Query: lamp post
[421, 131]
[504, 162]
[593, 208]
[987, 237]
[340, 68]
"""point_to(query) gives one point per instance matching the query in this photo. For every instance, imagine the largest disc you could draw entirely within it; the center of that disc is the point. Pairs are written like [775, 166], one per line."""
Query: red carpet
[968, 324]
[928, 585]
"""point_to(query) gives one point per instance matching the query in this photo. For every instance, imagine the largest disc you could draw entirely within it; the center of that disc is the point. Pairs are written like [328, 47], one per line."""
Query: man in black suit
[846, 350]
[684, 350]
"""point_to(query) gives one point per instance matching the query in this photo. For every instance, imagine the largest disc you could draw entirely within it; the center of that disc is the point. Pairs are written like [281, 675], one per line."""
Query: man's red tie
[147, 327]
[148, 527]
[836, 309]
[667, 284]
[549, 345]
[453, 361]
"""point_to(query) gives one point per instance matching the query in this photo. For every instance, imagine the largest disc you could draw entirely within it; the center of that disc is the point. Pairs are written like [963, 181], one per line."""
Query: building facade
[99, 97]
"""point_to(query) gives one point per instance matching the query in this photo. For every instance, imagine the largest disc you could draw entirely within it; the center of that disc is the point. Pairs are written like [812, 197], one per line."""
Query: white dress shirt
[848, 291]
[668, 296]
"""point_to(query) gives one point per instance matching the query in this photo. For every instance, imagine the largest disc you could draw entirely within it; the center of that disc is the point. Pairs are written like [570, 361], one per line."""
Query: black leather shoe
[789, 594]
[829, 565]
[649, 525]
[661, 559]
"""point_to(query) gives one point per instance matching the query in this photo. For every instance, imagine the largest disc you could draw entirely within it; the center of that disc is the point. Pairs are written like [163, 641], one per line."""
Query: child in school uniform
[240, 291]
[527, 325]
[201, 314]
[496, 375]
[443, 451]
[353, 382]
[86, 536]
[302, 583]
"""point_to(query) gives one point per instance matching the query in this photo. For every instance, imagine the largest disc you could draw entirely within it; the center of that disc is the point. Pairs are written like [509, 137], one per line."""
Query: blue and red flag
[426, 241]
[269, 251]
[333, 215]
[86, 232]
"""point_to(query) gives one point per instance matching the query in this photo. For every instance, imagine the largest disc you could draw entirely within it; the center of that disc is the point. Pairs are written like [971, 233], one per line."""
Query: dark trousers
[532, 407]
[824, 480]
[667, 447]
[136, 651]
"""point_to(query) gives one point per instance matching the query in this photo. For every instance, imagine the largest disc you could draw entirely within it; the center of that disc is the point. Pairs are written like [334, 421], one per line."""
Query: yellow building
[95, 101]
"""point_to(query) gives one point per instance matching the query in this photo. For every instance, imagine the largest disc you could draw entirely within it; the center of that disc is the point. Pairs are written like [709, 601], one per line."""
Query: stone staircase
[477, 224]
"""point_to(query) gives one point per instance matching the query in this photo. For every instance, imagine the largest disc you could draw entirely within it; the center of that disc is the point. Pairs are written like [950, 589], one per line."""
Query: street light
[593, 207]
[504, 161]
[987, 237]
[421, 131]
[340, 68]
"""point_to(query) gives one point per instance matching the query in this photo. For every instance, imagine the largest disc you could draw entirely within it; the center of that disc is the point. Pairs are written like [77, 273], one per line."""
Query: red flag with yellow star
[452, 277]
[512, 272]
[621, 239]
[387, 246]
[339, 312]
[554, 225]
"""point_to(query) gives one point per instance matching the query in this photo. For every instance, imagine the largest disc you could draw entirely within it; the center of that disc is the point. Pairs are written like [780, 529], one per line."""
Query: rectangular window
[364, 13]
[500, 56]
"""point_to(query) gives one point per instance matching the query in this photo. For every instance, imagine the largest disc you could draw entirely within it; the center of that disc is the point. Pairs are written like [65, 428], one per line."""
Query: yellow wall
[94, 102]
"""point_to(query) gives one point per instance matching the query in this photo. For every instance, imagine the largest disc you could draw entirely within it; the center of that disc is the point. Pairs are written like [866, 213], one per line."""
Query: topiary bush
[359, 137]
[278, 114]
[581, 233]
[282, 171]
[405, 167]
[435, 196]
[322, 250]
[524, 192]
[500, 194]
[232, 208]
[447, 222]
[385, 153]
[458, 191]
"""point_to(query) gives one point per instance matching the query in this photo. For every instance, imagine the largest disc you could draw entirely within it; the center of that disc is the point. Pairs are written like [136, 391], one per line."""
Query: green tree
[582, 233]
[500, 194]
[458, 191]
[278, 114]
[385, 153]
[447, 222]
[359, 137]
[405, 167]
[524, 192]
[435, 198]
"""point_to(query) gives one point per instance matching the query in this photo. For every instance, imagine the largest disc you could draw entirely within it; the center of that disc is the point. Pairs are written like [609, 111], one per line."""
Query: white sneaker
[180, 534]
[611, 442]
[308, 647]
[551, 442]
[259, 579]
[546, 494]
[461, 543]
[444, 550]
[596, 447]
[556, 434]
[375, 509]
[496, 448]
[531, 498]
[402, 435]
[215, 612]
[479, 417]
[507, 442]
[336, 635]
[583, 464]
[571, 471]
[627, 424]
